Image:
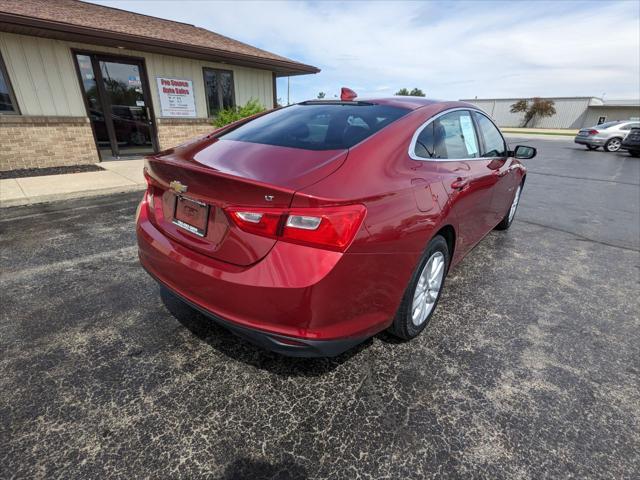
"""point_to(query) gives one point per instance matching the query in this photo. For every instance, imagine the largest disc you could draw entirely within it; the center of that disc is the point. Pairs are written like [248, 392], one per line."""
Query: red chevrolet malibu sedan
[310, 228]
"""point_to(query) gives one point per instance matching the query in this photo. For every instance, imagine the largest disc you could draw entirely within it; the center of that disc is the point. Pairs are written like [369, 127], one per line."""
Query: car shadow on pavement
[244, 468]
[242, 350]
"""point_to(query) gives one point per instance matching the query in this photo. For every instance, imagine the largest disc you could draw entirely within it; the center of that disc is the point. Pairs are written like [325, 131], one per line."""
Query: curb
[18, 202]
[554, 134]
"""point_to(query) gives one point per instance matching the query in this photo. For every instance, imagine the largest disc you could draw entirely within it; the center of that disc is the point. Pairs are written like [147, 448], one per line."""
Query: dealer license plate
[191, 215]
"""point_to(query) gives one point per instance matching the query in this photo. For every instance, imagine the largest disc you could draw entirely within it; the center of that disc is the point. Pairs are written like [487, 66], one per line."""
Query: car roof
[404, 101]
[411, 103]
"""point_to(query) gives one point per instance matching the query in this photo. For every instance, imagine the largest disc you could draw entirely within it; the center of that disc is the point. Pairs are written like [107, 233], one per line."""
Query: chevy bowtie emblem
[177, 186]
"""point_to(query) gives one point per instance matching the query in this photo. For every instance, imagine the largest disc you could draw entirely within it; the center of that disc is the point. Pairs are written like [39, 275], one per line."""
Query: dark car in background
[631, 142]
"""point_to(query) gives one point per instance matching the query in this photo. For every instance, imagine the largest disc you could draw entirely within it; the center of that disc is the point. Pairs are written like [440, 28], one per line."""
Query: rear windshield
[317, 126]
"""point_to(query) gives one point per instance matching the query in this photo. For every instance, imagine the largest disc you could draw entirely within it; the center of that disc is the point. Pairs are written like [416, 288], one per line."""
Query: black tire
[506, 222]
[613, 145]
[634, 153]
[591, 147]
[403, 326]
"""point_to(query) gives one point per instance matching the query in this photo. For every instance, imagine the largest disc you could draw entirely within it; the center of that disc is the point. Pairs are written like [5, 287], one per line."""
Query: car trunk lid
[212, 175]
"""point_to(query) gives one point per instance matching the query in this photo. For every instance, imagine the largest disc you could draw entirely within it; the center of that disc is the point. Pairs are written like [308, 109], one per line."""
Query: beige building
[571, 112]
[80, 83]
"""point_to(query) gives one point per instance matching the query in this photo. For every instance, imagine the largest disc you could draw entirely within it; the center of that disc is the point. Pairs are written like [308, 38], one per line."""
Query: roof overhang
[75, 33]
[617, 105]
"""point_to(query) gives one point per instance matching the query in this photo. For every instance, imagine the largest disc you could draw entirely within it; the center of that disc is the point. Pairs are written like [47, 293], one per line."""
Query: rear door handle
[460, 183]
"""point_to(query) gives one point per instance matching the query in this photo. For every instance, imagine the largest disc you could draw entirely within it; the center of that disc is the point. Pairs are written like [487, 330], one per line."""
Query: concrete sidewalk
[118, 176]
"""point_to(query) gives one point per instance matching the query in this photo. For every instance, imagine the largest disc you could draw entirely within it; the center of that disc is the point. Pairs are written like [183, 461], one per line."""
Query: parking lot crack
[580, 237]
[70, 264]
[588, 179]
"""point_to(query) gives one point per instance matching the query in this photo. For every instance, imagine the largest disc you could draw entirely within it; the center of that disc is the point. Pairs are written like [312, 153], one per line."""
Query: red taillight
[332, 228]
[261, 222]
[593, 132]
[147, 177]
[150, 192]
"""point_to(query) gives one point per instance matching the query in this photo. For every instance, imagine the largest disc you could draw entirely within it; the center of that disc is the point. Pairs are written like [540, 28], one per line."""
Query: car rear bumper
[594, 141]
[297, 300]
[282, 344]
[633, 146]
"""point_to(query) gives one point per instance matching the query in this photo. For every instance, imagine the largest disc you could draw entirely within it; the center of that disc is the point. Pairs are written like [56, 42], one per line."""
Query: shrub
[232, 114]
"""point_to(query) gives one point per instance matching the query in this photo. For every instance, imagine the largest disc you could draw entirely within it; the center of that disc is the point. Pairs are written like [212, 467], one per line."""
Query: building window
[8, 102]
[218, 87]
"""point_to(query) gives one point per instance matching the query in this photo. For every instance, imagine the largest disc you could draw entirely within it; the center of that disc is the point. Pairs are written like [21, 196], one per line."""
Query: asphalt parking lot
[531, 367]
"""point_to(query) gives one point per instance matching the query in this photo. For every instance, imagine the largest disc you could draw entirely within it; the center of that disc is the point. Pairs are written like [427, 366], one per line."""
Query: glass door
[94, 105]
[119, 105]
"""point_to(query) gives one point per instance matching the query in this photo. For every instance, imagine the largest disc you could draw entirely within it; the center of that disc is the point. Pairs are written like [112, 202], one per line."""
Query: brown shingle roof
[75, 16]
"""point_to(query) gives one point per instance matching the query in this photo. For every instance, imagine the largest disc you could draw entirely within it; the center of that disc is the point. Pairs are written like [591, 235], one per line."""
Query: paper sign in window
[469, 135]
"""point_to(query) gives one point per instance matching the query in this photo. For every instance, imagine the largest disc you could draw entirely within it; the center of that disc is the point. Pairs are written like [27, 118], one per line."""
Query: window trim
[416, 134]
[206, 94]
[12, 95]
[481, 136]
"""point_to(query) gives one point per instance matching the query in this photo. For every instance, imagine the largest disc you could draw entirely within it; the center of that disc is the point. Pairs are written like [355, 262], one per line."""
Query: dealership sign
[176, 97]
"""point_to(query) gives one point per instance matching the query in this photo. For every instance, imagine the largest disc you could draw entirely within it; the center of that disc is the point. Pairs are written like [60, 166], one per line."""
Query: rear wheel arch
[449, 234]
[423, 291]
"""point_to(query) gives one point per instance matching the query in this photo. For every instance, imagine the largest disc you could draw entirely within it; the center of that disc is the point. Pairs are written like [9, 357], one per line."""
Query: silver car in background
[607, 135]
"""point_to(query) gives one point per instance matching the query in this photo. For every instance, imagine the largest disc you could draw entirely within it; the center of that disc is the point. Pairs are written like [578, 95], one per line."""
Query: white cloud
[449, 50]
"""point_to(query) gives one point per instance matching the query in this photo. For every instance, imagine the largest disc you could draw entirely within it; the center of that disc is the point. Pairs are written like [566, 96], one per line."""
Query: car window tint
[317, 126]
[454, 136]
[424, 142]
[629, 126]
[494, 145]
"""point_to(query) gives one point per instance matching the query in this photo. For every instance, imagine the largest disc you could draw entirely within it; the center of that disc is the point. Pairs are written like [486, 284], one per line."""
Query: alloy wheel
[427, 288]
[613, 145]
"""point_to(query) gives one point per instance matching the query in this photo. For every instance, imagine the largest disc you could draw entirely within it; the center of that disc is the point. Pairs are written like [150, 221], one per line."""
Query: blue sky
[450, 50]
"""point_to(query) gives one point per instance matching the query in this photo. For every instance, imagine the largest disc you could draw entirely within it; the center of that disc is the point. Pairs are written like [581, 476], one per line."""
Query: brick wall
[172, 132]
[34, 142]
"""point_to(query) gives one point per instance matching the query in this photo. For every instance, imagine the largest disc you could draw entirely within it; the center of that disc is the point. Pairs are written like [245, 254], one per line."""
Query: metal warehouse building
[80, 82]
[571, 112]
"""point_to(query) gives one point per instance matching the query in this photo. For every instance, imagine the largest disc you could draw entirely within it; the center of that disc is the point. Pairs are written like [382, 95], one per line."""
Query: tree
[416, 92]
[321, 95]
[534, 109]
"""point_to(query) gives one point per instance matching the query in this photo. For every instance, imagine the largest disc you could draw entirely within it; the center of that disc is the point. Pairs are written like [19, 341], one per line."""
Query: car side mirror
[524, 152]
